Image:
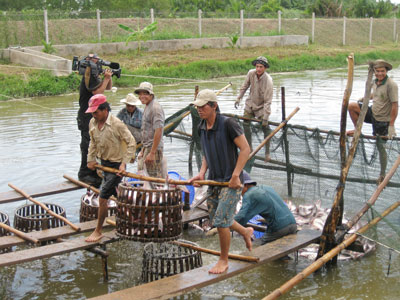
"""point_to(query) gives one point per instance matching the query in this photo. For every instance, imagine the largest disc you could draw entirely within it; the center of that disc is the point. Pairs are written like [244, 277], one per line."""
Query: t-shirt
[383, 97]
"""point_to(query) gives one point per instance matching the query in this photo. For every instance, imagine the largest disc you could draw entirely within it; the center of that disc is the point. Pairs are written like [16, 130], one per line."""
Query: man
[114, 145]
[151, 156]
[258, 104]
[383, 112]
[220, 138]
[132, 115]
[91, 84]
[263, 200]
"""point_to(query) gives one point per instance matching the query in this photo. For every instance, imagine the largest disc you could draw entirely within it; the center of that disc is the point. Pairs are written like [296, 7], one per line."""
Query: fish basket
[167, 259]
[5, 220]
[31, 217]
[90, 208]
[149, 215]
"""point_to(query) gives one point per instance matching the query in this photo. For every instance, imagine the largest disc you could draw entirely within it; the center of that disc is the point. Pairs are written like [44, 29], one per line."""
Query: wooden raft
[182, 283]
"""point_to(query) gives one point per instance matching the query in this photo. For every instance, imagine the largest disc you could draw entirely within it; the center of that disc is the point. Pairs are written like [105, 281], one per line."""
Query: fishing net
[305, 167]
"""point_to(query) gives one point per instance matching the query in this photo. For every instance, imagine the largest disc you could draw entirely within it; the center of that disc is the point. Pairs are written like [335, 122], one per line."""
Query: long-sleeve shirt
[134, 120]
[113, 142]
[260, 96]
[153, 118]
[263, 200]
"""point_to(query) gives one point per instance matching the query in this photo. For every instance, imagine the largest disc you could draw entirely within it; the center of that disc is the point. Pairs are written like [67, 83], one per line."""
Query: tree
[139, 35]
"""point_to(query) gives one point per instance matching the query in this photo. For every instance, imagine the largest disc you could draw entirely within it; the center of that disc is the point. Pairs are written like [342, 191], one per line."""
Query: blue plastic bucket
[257, 234]
[175, 176]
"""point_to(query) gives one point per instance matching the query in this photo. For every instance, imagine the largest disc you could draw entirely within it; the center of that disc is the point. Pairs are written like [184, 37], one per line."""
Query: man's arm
[244, 148]
[106, 84]
[268, 100]
[202, 172]
[91, 158]
[243, 90]
[393, 113]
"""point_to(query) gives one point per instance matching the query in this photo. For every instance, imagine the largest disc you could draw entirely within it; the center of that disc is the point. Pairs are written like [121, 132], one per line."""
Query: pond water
[40, 142]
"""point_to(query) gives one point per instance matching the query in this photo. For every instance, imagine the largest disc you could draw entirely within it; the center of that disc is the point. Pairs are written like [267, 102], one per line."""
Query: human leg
[380, 144]
[102, 214]
[354, 112]
[84, 173]
[272, 236]
[245, 232]
[221, 266]
[267, 131]
[247, 128]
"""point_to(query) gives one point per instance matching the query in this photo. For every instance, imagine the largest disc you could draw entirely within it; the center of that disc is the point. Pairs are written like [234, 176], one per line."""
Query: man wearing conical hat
[383, 112]
[258, 103]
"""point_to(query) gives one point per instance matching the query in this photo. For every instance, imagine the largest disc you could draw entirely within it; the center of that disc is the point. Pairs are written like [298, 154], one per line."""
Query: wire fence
[32, 29]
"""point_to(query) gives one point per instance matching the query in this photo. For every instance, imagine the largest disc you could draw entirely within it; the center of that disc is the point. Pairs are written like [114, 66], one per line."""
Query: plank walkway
[182, 283]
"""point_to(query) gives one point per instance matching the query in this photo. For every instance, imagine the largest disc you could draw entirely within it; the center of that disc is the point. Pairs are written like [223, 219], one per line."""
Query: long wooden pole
[19, 233]
[327, 257]
[49, 211]
[286, 144]
[85, 185]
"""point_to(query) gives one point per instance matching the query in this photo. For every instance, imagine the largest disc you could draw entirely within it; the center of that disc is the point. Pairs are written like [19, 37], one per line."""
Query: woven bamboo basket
[149, 215]
[5, 220]
[88, 211]
[31, 217]
[166, 259]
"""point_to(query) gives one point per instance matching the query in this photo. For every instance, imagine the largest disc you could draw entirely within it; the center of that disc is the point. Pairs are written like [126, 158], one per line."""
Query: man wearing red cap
[114, 145]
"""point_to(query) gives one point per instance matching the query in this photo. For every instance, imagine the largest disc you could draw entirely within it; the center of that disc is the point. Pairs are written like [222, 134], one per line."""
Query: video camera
[96, 68]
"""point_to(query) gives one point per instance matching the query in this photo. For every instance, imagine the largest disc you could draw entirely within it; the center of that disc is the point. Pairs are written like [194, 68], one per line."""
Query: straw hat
[380, 63]
[131, 99]
[145, 87]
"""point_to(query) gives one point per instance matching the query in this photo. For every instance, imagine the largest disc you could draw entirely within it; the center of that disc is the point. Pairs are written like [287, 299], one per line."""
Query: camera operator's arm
[106, 83]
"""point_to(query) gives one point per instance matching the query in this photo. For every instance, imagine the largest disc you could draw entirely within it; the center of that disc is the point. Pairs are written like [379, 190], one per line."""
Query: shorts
[221, 203]
[154, 169]
[378, 127]
[110, 181]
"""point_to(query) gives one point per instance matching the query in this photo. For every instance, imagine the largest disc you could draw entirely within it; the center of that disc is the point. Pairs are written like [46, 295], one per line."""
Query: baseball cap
[205, 96]
[95, 101]
[247, 179]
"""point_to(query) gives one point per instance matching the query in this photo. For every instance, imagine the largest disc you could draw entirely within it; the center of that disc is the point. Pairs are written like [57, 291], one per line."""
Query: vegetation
[193, 64]
[139, 35]
[48, 47]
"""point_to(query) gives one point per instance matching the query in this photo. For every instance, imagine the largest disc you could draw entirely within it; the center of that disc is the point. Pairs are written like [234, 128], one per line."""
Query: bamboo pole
[371, 200]
[286, 144]
[87, 186]
[327, 241]
[218, 253]
[49, 211]
[327, 257]
[19, 233]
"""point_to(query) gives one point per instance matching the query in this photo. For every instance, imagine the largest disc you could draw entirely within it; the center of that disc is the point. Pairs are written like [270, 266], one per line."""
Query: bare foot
[380, 179]
[220, 267]
[94, 237]
[350, 132]
[247, 237]
[267, 158]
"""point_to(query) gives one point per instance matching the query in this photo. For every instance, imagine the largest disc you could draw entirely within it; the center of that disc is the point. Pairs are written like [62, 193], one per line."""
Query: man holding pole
[221, 138]
[258, 104]
[110, 141]
[383, 112]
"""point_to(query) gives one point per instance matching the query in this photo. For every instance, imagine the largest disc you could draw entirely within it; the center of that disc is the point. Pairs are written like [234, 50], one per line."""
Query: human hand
[199, 176]
[235, 183]
[391, 132]
[264, 123]
[237, 103]
[91, 165]
[107, 73]
[150, 158]
[122, 168]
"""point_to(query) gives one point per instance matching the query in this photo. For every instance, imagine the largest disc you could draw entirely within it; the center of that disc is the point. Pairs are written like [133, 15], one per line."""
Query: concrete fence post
[199, 16]
[152, 18]
[46, 26]
[344, 31]
[394, 29]
[241, 25]
[98, 24]
[279, 22]
[370, 30]
[312, 27]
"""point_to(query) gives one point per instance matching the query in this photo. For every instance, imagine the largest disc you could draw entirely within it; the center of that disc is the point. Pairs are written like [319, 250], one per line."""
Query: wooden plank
[64, 231]
[40, 191]
[182, 283]
[12, 258]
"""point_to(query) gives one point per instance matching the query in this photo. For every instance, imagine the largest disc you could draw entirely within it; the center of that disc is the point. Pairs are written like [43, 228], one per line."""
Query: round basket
[149, 215]
[5, 220]
[166, 259]
[89, 210]
[31, 217]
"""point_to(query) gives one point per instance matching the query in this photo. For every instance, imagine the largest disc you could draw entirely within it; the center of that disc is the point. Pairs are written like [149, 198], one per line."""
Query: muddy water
[40, 143]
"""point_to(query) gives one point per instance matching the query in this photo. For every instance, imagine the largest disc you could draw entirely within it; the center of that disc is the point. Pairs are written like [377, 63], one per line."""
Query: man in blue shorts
[221, 138]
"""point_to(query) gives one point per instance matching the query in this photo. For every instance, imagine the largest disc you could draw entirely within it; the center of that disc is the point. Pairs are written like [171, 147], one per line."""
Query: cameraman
[91, 84]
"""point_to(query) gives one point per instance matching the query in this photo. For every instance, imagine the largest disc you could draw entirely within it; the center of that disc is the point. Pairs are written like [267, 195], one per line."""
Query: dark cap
[247, 179]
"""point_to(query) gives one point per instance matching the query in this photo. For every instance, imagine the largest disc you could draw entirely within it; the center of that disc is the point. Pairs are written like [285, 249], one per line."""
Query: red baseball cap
[95, 101]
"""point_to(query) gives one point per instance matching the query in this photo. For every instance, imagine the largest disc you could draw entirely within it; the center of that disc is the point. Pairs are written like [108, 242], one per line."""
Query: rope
[379, 243]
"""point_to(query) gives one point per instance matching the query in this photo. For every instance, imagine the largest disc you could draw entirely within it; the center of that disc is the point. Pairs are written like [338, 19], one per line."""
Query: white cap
[205, 96]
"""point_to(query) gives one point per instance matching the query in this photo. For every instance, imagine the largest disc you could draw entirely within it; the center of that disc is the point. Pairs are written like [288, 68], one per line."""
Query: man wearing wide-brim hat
[383, 112]
[258, 103]
[150, 158]
[132, 115]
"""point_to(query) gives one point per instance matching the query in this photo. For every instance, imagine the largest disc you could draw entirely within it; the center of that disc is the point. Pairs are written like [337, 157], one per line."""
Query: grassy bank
[192, 64]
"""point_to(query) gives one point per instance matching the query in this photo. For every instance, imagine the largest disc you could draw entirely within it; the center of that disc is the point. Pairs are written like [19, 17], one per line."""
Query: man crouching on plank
[112, 142]
[220, 138]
